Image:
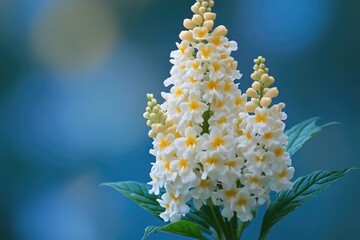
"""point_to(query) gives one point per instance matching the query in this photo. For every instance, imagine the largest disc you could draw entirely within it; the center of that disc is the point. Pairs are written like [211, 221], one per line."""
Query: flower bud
[250, 107]
[264, 78]
[197, 19]
[186, 36]
[252, 93]
[202, 10]
[205, 4]
[271, 80]
[220, 31]
[272, 92]
[211, 4]
[254, 76]
[146, 115]
[260, 72]
[188, 24]
[265, 101]
[152, 134]
[209, 24]
[209, 16]
[148, 122]
[256, 85]
[195, 8]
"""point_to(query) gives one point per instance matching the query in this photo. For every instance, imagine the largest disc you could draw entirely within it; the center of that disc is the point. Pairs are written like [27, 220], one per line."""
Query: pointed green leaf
[302, 132]
[139, 193]
[182, 227]
[304, 188]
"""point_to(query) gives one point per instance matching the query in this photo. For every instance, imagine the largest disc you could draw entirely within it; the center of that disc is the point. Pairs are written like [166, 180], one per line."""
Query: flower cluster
[212, 147]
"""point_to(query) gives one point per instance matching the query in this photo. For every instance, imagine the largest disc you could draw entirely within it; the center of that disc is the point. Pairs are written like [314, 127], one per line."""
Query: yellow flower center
[183, 163]
[241, 202]
[164, 144]
[279, 152]
[216, 66]
[268, 136]
[230, 193]
[217, 142]
[230, 164]
[204, 184]
[190, 142]
[194, 105]
[260, 118]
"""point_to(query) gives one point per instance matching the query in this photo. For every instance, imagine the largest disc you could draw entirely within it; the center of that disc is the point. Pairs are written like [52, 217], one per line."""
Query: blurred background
[73, 79]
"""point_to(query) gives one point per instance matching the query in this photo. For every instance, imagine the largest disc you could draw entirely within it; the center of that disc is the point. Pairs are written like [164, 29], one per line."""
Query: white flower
[259, 161]
[164, 144]
[243, 204]
[219, 142]
[193, 109]
[213, 165]
[281, 179]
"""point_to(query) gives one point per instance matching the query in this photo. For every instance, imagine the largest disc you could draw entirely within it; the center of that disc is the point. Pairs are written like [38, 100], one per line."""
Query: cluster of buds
[260, 92]
[201, 22]
[156, 118]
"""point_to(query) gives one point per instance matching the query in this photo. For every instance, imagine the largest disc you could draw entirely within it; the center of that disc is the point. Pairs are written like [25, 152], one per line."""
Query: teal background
[73, 79]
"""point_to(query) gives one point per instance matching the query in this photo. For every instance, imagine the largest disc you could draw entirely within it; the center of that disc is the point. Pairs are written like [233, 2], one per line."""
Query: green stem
[240, 229]
[217, 226]
[225, 227]
[233, 224]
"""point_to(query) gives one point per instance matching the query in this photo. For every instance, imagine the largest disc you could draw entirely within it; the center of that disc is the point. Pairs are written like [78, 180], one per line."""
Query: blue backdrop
[73, 81]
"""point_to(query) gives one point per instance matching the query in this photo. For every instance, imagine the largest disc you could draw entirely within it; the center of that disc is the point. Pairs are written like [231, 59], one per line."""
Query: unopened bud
[220, 31]
[272, 92]
[209, 24]
[153, 101]
[271, 80]
[209, 16]
[197, 19]
[202, 10]
[152, 134]
[254, 76]
[188, 24]
[148, 109]
[146, 115]
[264, 78]
[186, 36]
[195, 8]
[211, 4]
[256, 86]
[149, 123]
[260, 72]
[252, 93]
[262, 66]
[205, 4]
[152, 117]
[265, 101]
[250, 107]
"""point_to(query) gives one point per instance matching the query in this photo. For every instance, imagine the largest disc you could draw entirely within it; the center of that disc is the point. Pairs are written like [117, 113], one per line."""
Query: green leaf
[139, 193]
[304, 188]
[182, 227]
[302, 132]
